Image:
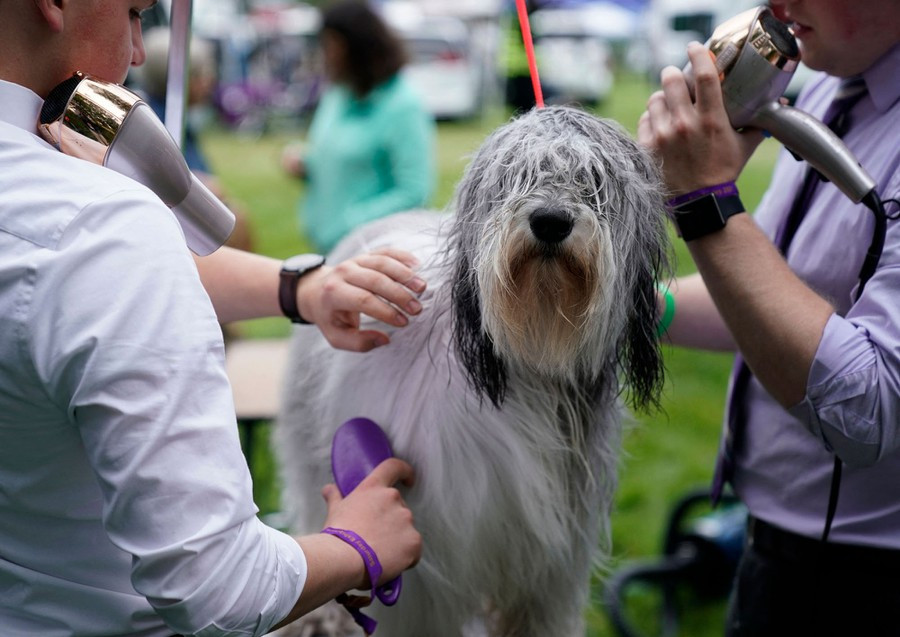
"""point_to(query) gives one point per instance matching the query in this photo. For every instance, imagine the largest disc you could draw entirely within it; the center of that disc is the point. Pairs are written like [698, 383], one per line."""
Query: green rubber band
[668, 311]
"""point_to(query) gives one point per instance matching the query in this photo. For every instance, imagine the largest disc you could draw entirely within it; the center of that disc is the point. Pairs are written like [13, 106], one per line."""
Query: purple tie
[838, 119]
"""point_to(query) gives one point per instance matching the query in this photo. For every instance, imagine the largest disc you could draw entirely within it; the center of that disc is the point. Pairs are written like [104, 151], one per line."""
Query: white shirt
[125, 500]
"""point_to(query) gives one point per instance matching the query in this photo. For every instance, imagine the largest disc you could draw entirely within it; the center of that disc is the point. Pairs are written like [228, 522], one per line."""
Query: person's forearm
[241, 285]
[696, 322]
[333, 567]
[776, 320]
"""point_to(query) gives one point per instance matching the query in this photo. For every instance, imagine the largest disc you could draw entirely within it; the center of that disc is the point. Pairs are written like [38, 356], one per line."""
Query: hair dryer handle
[206, 221]
[804, 135]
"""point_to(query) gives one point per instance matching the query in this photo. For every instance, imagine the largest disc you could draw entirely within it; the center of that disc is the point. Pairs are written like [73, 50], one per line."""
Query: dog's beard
[541, 294]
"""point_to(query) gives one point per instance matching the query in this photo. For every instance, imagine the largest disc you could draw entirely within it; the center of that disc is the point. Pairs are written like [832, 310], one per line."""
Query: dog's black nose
[550, 225]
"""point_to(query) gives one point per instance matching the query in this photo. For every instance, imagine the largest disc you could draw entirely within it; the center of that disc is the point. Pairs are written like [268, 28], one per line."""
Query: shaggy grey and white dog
[504, 394]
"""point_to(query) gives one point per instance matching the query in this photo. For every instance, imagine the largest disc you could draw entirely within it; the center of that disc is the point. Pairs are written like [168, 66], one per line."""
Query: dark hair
[374, 52]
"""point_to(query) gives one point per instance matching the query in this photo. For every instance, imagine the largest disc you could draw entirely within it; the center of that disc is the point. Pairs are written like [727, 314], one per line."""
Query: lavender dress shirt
[852, 403]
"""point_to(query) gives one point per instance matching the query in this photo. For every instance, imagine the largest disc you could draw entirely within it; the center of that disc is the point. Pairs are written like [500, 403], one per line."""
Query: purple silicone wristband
[726, 189]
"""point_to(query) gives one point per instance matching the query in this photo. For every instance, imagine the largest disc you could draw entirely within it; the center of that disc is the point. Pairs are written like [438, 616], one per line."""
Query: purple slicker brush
[360, 445]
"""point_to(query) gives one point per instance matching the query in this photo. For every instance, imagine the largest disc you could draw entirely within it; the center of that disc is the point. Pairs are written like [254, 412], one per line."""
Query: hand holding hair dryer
[756, 55]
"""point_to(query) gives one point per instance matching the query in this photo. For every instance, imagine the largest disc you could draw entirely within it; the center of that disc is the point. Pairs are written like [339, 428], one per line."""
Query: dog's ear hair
[642, 360]
[485, 372]
[641, 357]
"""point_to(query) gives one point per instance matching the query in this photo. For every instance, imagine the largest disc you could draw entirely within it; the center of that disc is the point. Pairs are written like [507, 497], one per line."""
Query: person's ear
[52, 12]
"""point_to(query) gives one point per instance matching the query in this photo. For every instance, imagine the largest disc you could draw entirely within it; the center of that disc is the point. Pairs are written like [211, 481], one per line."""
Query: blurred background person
[369, 151]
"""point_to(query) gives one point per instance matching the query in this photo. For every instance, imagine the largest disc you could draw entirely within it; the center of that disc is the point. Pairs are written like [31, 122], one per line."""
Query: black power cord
[874, 203]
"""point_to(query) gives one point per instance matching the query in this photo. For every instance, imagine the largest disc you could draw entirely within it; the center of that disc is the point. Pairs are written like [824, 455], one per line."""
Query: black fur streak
[485, 372]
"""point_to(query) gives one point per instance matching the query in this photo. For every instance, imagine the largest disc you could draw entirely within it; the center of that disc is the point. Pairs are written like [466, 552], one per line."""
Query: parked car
[574, 56]
[441, 65]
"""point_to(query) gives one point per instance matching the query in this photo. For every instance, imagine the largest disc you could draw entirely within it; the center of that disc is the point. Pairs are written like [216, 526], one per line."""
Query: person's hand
[292, 161]
[380, 284]
[695, 141]
[375, 511]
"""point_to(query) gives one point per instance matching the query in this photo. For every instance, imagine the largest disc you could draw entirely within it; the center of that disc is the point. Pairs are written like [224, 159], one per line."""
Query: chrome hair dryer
[107, 124]
[756, 55]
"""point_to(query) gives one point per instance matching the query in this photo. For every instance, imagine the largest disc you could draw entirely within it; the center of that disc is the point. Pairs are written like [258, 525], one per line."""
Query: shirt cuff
[837, 407]
[290, 578]
[256, 584]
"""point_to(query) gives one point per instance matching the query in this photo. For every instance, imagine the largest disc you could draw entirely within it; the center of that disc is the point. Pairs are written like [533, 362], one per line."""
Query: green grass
[666, 454]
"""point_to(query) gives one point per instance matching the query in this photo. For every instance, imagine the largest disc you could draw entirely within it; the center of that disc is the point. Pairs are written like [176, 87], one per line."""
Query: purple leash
[360, 445]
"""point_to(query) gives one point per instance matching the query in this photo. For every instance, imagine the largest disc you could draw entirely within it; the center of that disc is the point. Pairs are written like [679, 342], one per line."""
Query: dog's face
[559, 239]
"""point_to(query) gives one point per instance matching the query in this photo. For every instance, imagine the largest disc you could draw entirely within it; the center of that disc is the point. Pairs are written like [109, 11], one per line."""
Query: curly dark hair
[374, 52]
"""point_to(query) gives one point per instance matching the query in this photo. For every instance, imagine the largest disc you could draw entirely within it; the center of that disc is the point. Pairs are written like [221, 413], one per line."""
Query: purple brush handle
[359, 446]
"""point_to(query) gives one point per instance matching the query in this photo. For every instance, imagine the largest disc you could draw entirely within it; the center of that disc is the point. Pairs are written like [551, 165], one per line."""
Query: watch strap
[289, 279]
[706, 214]
[287, 296]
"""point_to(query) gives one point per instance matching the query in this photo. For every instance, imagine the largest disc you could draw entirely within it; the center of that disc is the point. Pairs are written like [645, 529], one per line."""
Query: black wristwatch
[705, 215]
[291, 271]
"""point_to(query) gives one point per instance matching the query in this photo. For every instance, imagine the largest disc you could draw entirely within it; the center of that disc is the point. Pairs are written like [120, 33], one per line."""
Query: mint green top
[365, 159]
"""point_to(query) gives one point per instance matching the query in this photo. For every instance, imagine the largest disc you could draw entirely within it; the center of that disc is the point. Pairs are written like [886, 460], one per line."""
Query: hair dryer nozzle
[107, 124]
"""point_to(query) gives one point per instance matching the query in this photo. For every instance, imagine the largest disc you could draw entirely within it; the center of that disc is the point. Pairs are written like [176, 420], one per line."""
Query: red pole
[529, 52]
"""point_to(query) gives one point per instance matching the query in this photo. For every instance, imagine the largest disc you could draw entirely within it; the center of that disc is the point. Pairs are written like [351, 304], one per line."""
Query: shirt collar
[883, 80]
[21, 106]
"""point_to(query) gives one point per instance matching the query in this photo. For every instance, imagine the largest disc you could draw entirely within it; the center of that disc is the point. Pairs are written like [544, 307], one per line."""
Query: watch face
[302, 262]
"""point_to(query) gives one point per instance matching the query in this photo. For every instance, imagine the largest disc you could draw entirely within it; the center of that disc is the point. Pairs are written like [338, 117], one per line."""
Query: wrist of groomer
[333, 568]
[339, 559]
[704, 211]
[303, 267]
